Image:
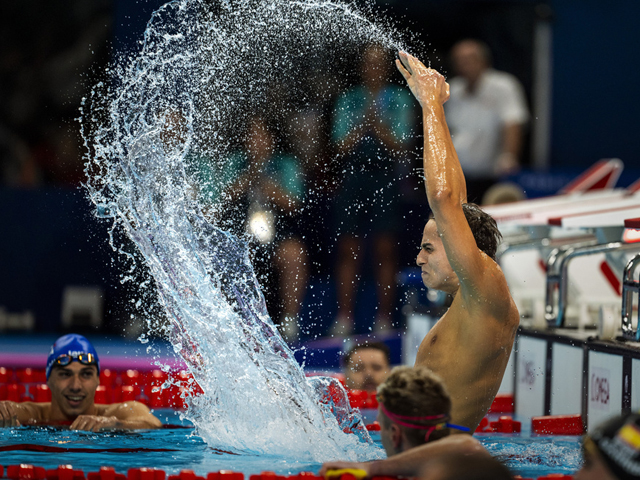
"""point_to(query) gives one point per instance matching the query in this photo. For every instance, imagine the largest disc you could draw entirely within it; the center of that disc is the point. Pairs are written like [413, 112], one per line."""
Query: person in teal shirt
[260, 191]
[373, 123]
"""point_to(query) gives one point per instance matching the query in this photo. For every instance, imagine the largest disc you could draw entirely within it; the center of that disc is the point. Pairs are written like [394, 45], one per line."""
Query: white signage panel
[566, 379]
[507, 380]
[635, 384]
[530, 376]
[604, 389]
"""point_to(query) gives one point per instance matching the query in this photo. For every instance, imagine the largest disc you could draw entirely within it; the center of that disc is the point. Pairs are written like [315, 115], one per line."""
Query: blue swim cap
[72, 345]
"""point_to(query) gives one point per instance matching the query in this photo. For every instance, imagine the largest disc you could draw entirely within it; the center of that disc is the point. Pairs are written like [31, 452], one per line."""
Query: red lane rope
[32, 447]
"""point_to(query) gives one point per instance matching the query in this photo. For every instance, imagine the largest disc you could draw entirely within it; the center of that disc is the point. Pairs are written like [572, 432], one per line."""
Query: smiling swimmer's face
[73, 389]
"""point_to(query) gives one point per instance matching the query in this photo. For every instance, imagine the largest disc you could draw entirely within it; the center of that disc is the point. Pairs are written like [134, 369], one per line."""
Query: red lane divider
[505, 424]
[362, 399]
[146, 474]
[373, 427]
[31, 447]
[106, 473]
[558, 425]
[185, 475]
[503, 403]
[65, 472]
[25, 472]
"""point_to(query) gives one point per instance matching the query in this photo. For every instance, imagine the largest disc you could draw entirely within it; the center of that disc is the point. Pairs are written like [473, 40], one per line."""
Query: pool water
[174, 449]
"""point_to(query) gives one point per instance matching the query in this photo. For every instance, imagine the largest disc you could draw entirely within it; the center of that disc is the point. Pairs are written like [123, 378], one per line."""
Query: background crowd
[340, 177]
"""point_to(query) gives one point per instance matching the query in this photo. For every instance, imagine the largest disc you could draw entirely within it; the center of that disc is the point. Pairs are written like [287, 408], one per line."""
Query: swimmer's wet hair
[484, 228]
[346, 360]
[415, 392]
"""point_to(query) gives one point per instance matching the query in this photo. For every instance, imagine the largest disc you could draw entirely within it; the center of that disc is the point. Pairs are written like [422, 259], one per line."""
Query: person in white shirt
[487, 114]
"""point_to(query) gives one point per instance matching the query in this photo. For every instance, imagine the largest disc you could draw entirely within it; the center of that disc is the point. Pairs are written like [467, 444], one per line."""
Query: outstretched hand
[426, 84]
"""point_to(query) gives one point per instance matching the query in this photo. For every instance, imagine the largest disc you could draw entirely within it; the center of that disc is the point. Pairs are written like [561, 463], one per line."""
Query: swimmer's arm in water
[410, 462]
[126, 415]
[14, 414]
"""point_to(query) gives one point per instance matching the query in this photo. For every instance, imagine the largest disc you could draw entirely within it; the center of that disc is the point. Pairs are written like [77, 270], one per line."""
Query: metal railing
[557, 275]
[629, 287]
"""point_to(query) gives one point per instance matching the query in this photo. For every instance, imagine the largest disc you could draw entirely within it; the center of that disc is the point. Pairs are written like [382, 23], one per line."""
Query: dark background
[53, 51]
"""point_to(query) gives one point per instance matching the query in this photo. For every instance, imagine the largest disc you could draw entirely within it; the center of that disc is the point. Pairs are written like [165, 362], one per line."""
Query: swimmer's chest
[441, 344]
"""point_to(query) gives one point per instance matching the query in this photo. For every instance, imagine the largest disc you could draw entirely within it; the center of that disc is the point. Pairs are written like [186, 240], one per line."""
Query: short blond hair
[415, 392]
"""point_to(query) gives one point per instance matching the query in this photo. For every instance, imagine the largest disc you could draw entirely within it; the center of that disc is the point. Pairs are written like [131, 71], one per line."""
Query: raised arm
[445, 184]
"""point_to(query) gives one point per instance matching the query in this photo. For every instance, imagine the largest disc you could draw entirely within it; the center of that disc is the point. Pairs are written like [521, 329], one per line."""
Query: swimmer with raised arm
[73, 371]
[469, 346]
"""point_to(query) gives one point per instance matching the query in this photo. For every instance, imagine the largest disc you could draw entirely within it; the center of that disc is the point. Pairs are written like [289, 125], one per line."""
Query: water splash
[203, 68]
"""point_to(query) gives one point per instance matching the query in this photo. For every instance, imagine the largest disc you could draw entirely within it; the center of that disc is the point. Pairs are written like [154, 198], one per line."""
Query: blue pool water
[524, 454]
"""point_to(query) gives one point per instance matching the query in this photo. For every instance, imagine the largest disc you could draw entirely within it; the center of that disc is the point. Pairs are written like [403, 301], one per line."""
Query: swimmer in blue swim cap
[73, 370]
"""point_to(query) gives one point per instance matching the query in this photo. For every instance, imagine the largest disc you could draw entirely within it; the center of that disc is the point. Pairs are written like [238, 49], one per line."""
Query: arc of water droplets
[198, 69]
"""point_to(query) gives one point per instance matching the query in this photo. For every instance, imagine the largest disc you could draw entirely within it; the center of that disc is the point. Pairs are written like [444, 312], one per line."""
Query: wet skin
[469, 346]
[73, 389]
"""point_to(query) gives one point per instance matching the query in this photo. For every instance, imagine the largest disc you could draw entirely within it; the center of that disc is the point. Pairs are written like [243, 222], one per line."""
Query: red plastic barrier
[156, 399]
[267, 475]
[129, 393]
[482, 427]
[362, 399]
[42, 393]
[65, 472]
[25, 472]
[556, 476]
[146, 474]
[16, 392]
[106, 473]
[308, 476]
[185, 475]
[357, 398]
[132, 377]
[558, 425]
[31, 375]
[3, 392]
[156, 378]
[373, 427]
[225, 475]
[1, 471]
[505, 424]
[6, 375]
[503, 403]
[103, 395]
[108, 378]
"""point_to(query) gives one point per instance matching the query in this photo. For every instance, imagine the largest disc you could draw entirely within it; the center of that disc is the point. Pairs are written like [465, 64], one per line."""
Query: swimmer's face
[594, 468]
[367, 369]
[73, 389]
[437, 273]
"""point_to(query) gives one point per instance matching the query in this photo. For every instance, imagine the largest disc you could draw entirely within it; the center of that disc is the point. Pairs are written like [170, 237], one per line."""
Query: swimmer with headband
[440, 422]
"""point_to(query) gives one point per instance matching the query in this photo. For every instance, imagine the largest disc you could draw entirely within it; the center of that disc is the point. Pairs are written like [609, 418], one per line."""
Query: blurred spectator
[503, 192]
[260, 190]
[486, 113]
[372, 122]
[612, 450]
[366, 366]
